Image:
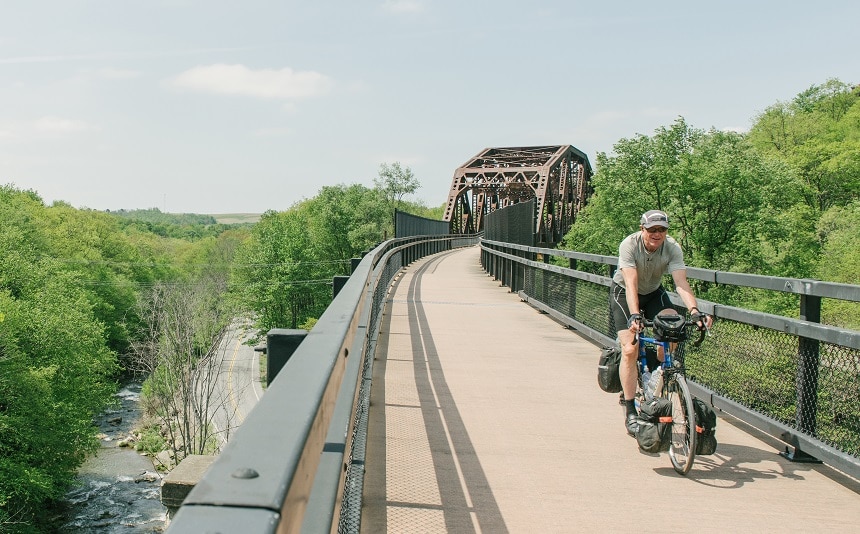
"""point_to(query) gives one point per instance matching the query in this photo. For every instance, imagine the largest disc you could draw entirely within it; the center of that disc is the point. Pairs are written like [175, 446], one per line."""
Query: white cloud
[265, 83]
[403, 6]
[50, 124]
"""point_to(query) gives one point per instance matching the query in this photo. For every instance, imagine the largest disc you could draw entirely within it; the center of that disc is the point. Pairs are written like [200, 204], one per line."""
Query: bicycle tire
[682, 449]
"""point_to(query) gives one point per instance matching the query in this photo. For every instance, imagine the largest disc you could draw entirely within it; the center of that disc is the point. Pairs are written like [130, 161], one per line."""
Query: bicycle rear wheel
[683, 447]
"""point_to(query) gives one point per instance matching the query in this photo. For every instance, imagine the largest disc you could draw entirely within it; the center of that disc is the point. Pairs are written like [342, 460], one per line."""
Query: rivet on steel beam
[245, 472]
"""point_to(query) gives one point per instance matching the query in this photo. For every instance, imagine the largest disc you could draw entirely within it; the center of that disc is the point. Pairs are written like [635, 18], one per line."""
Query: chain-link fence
[514, 224]
[408, 225]
[800, 378]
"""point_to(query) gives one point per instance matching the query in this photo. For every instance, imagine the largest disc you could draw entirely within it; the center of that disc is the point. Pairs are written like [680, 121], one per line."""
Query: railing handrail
[799, 286]
[790, 325]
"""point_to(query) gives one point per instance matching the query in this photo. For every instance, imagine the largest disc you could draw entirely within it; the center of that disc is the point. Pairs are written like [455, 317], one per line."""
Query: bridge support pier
[181, 480]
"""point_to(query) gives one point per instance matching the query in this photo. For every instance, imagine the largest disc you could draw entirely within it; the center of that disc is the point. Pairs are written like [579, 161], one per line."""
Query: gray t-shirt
[650, 266]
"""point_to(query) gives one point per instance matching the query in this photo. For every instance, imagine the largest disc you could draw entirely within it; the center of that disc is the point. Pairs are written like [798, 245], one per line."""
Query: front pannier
[655, 425]
[706, 427]
[607, 369]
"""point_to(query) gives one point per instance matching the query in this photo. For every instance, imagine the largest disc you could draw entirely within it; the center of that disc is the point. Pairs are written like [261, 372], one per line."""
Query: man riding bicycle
[643, 258]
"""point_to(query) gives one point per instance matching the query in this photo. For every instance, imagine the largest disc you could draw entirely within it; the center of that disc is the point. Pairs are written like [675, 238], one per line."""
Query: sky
[212, 107]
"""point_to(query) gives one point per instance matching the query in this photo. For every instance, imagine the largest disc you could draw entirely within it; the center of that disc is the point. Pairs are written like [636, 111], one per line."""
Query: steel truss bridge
[558, 177]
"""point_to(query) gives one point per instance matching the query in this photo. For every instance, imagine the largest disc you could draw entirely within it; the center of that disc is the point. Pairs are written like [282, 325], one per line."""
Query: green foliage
[395, 182]
[818, 136]
[309, 324]
[714, 186]
[69, 285]
[55, 374]
[151, 441]
[435, 214]
[185, 226]
[771, 202]
[758, 368]
[838, 229]
[420, 210]
[155, 216]
[285, 269]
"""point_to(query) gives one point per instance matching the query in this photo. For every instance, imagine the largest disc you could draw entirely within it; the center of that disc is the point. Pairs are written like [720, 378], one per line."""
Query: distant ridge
[237, 218]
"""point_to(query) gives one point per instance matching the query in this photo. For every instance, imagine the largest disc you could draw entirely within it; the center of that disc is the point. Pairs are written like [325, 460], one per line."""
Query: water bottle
[646, 378]
[654, 384]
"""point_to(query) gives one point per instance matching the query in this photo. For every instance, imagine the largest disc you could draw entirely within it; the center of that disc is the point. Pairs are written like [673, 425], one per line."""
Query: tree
[713, 185]
[730, 208]
[69, 283]
[275, 274]
[284, 271]
[838, 229]
[818, 135]
[55, 374]
[396, 182]
[56, 369]
[186, 325]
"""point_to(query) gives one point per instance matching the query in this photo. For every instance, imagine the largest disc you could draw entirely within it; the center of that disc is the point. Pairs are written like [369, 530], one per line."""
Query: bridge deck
[486, 417]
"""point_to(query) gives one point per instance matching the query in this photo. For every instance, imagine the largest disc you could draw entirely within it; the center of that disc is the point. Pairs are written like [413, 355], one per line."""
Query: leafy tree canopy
[69, 285]
[776, 201]
[818, 135]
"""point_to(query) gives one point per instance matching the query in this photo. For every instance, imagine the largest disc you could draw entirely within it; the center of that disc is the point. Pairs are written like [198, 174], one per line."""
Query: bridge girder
[557, 176]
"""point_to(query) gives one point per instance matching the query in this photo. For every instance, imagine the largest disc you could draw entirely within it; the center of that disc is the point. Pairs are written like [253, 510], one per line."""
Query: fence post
[337, 284]
[808, 362]
[281, 343]
[806, 383]
[571, 297]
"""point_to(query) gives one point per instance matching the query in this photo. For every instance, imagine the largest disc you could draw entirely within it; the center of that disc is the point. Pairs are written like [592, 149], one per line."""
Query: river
[118, 489]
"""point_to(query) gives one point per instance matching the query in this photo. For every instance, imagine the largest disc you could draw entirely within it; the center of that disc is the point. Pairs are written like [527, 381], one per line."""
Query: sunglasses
[656, 230]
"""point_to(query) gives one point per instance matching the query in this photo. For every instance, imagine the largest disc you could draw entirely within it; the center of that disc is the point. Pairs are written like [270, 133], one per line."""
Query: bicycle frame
[674, 387]
[668, 363]
[668, 356]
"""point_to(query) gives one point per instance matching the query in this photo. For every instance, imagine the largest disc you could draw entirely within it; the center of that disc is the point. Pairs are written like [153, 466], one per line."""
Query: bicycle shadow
[734, 465]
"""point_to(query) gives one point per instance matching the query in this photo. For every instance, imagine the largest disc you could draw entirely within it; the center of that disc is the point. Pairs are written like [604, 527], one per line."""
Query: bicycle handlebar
[703, 330]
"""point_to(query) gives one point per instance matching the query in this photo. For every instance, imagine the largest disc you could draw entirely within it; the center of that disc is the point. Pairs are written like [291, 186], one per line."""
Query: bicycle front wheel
[683, 447]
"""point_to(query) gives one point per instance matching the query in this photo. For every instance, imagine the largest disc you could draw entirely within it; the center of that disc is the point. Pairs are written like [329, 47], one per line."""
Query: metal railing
[297, 462]
[795, 379]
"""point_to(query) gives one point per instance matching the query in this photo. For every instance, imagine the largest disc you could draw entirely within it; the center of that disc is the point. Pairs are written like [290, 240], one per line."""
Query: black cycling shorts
[651, 304]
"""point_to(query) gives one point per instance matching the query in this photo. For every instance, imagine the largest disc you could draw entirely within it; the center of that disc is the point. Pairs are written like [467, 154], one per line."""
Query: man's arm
[682, 286]
[631, 291]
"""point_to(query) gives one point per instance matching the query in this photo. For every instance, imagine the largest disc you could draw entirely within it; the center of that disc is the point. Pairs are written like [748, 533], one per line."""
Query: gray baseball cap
[654, 218]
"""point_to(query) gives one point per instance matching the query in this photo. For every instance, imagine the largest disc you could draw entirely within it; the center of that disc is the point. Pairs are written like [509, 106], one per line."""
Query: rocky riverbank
[118, 490]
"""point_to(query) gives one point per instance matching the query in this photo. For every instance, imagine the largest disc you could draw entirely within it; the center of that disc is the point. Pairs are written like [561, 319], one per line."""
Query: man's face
[653, 236]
